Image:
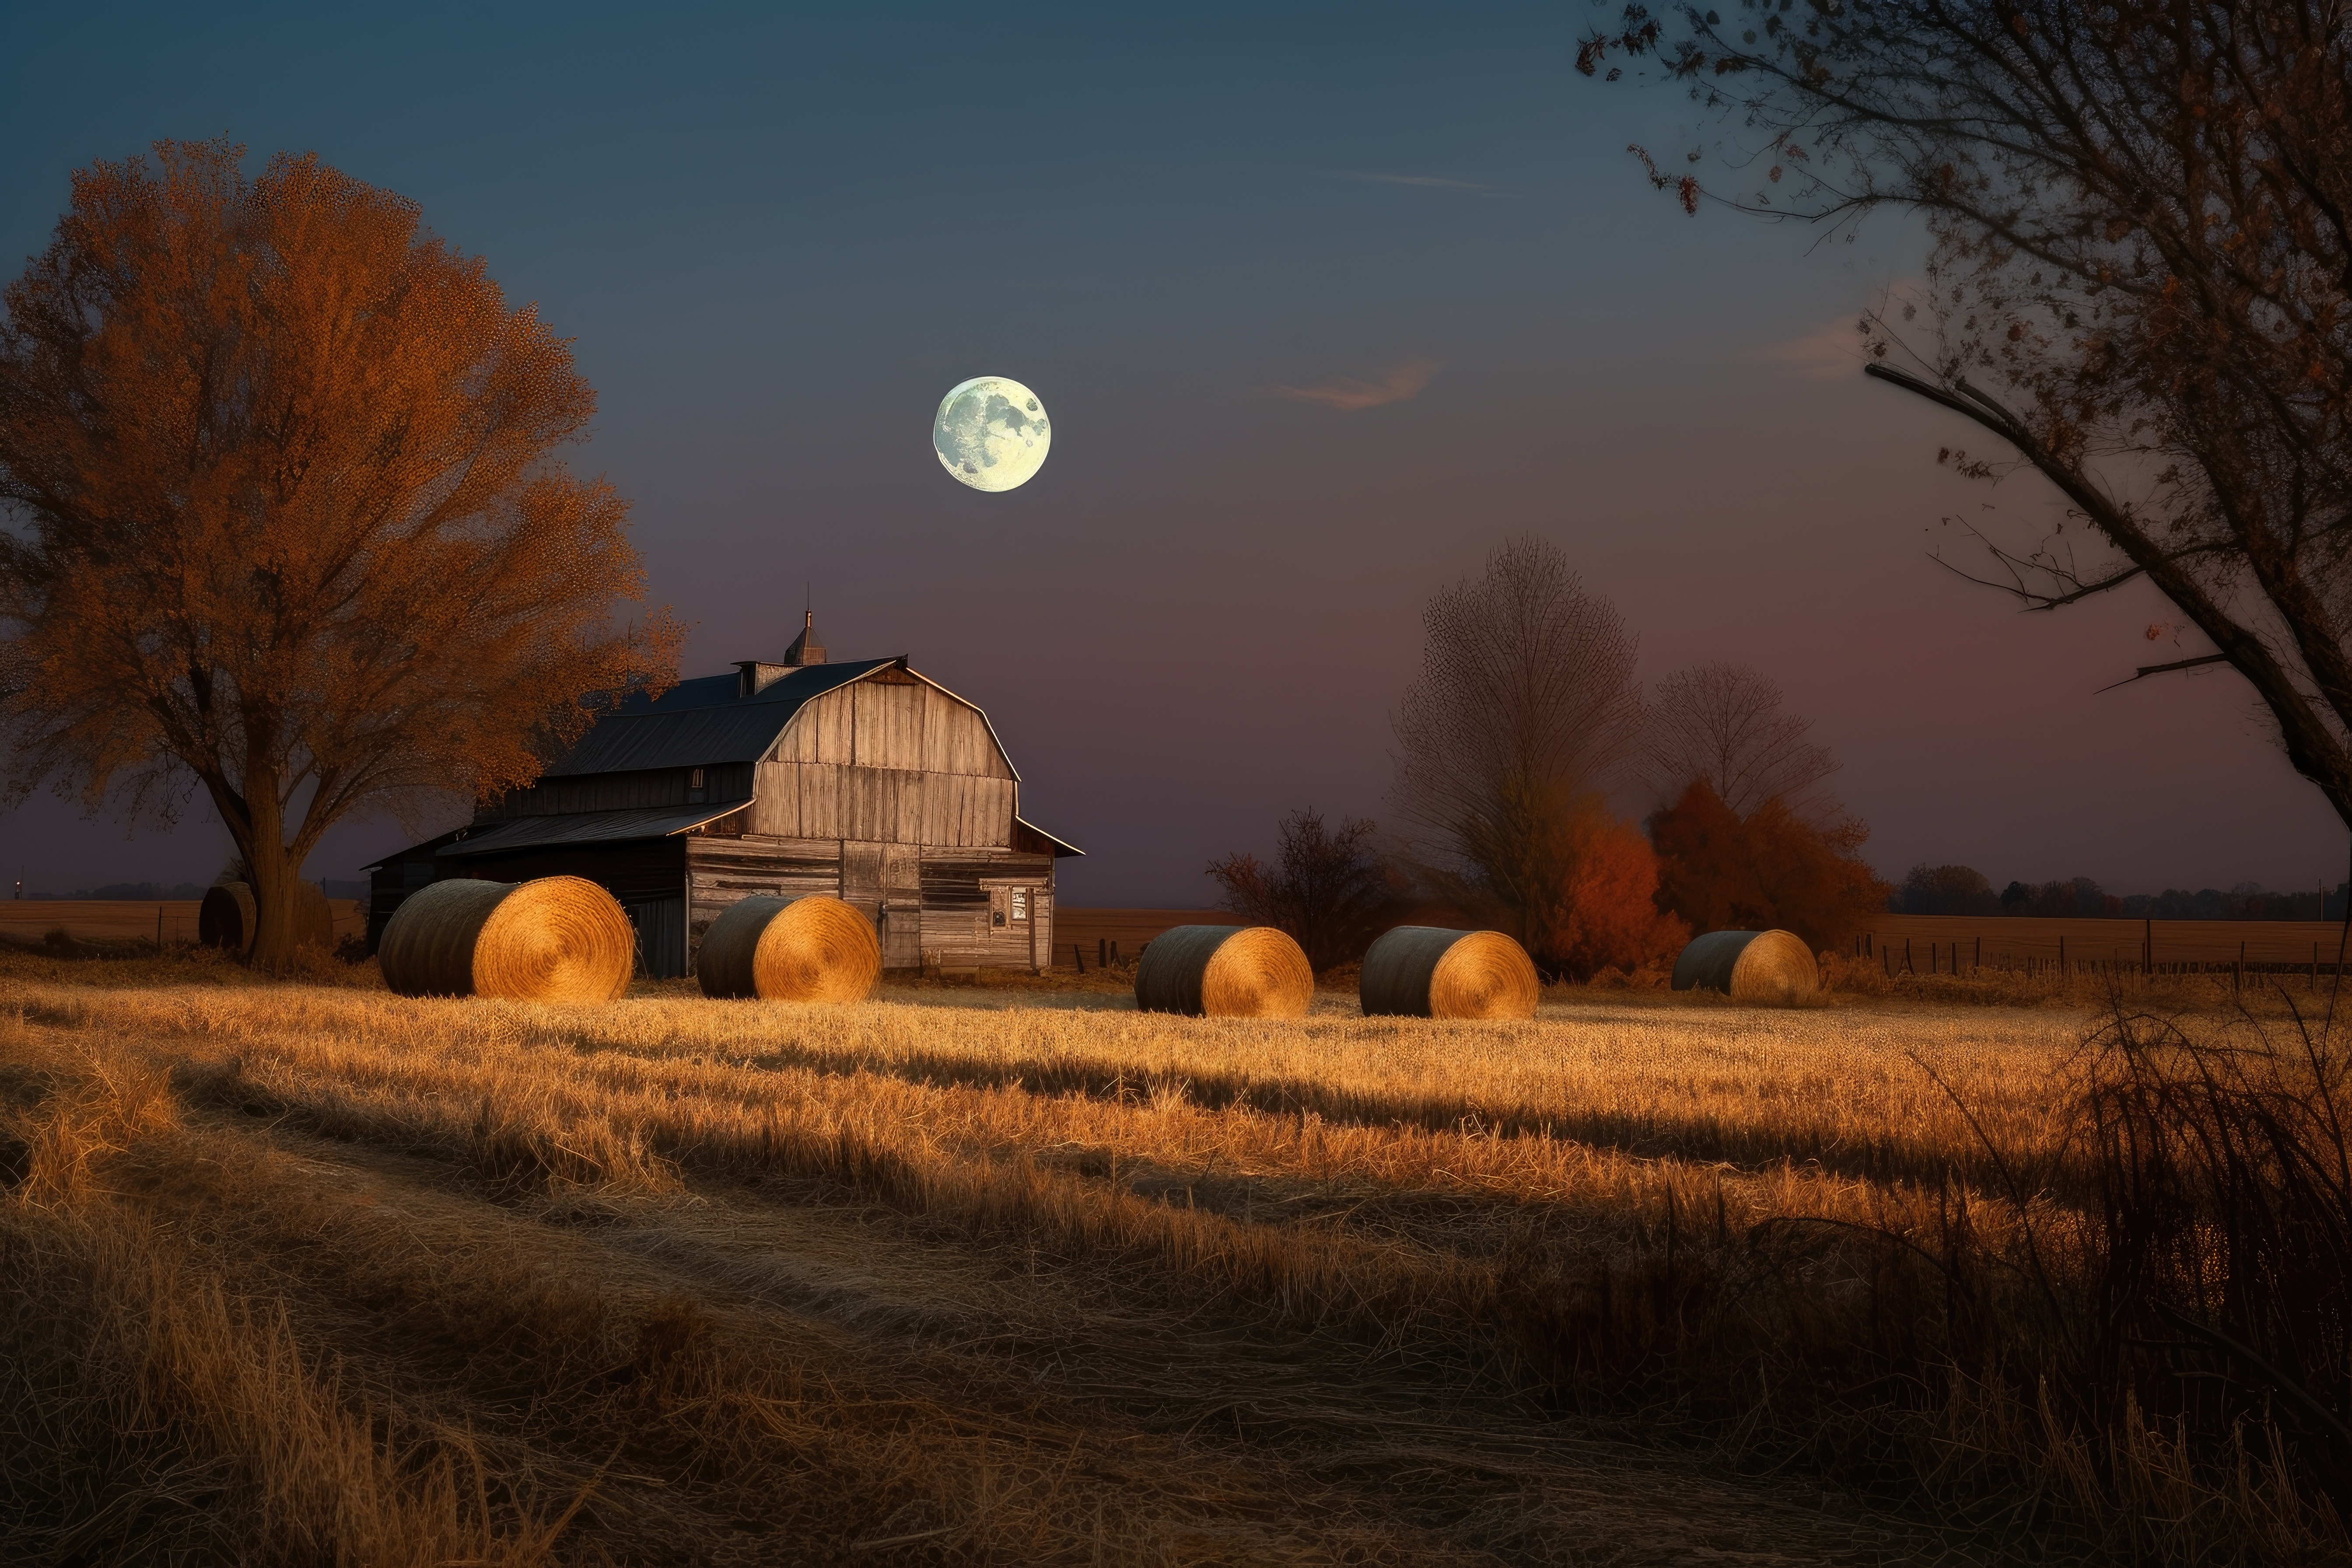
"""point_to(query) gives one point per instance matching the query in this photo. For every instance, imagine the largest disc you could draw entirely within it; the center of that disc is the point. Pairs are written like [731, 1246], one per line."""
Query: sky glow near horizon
[1325, 304]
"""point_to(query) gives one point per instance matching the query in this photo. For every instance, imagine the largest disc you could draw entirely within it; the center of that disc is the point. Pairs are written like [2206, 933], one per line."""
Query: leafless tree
[1526, 702]
[1724, 723]
[1327, 889]
[2141, 282]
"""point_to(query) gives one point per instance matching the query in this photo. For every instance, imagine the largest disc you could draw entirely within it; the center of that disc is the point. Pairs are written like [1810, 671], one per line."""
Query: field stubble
[683, 1281]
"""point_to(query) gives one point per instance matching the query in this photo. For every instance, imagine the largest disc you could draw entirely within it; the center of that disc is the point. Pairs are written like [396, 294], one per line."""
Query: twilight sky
[1324, 302]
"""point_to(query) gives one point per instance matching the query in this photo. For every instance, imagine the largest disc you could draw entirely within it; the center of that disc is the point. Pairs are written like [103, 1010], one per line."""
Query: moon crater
[991, 433]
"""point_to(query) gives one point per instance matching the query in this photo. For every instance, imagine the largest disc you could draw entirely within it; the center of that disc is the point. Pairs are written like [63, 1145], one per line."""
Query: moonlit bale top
[815, 948]
[1763, 966]
[1224, 971]
[1425, 971]
[227, 917]
[557, 939]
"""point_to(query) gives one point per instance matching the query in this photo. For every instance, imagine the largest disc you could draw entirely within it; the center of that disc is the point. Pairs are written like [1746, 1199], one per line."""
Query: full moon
[991, 433]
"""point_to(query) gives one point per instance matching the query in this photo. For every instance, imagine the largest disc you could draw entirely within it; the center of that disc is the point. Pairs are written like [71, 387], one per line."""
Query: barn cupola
[805, 648]
[754, 676]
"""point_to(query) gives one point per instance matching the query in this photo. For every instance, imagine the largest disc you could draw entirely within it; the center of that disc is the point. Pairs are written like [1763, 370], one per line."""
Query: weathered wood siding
[971, 918]
[954, 908]
[886, 764]
[720, 870]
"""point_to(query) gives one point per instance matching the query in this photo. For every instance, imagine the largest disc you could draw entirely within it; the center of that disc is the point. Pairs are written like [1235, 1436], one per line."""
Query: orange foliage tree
[1604, 912]
[1773, 868]
[289, 520]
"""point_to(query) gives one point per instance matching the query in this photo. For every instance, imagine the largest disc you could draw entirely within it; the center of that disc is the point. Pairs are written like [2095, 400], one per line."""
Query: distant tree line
[155, 892]
[1963, 890]
[1526, 724]
[138, 891]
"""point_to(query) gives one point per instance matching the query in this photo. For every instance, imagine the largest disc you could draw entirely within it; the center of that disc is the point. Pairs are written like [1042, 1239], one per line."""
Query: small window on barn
[1020, 903]
[999, 910]
[694, 789]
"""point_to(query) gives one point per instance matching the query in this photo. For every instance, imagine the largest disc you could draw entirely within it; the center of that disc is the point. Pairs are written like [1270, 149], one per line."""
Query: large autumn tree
[1748, 835]
[1525, 716]
[284, 514]
[2140, 286]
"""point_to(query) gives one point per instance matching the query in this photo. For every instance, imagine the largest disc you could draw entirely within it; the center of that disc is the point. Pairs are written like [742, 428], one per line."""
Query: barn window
[1020, 903]
[694, 790]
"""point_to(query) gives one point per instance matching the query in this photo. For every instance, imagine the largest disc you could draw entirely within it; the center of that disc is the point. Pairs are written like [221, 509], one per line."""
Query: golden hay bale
[1763, 966]
[556, 939]
[225, 917]
[1425, 971]
[1224, 971]
[814, 949]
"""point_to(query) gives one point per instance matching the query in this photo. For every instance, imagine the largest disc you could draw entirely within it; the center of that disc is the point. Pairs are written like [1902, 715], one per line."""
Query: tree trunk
[275, 877]
[273, 867]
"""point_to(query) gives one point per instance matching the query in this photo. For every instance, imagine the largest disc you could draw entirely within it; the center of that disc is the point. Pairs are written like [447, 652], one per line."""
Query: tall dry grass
[1778, 1234]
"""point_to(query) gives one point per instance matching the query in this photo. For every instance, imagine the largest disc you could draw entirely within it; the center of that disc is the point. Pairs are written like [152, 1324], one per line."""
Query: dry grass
[1011, 1273]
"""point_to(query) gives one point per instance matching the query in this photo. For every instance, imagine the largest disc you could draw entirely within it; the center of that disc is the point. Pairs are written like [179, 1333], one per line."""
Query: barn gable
[862, 779]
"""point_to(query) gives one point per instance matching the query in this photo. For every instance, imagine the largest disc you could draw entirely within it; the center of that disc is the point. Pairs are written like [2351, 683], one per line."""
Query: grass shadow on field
[1748, 1145]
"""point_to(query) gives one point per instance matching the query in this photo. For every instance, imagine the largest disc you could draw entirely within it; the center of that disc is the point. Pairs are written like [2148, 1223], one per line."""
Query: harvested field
[1000, 1275]
[171, 920]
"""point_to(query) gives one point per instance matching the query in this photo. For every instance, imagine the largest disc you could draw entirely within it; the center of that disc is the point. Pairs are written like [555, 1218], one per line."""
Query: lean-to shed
[862, 779]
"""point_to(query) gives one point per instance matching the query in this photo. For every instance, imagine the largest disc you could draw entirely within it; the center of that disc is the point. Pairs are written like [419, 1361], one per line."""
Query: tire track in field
[1365, 1441]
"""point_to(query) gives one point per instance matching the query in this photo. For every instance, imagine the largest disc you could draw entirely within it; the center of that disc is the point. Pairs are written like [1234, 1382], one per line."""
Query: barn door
[861, 878]
[902, 907]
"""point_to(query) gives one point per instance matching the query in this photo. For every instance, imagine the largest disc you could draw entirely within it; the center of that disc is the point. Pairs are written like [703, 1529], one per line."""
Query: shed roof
[1061, 848]
[590, 828]
[702, 721]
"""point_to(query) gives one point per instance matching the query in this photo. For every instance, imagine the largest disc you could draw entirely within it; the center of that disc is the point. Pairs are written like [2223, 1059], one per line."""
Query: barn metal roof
[702, 721]
[590, 828]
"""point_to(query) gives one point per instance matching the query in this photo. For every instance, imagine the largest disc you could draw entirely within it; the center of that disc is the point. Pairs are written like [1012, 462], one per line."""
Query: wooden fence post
[1078, 952]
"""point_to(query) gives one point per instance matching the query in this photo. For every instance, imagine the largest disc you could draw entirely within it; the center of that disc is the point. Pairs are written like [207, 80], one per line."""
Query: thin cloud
[1347, 393]
[1826, 353]
[1429, 182]
[1837, 349]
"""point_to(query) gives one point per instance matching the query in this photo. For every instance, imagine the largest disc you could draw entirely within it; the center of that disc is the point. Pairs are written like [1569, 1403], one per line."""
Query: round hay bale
[1760, 966]
[815, 948]
[1224, 971]
[557, 939]
[1425, 971]
[227, 917]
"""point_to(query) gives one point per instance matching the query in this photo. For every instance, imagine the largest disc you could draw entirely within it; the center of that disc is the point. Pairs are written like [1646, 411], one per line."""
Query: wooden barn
[862, 779]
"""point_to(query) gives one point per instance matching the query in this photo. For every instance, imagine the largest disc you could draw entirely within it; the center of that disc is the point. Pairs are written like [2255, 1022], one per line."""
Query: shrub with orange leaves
[1773, 867]
[1605, 914]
